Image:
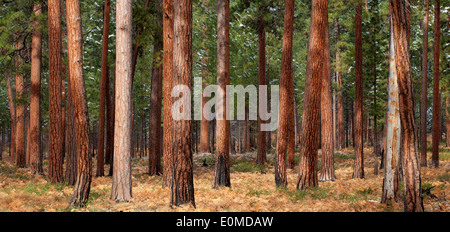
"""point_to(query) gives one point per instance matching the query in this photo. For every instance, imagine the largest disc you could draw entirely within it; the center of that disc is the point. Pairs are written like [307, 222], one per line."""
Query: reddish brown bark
[311, 109]
[436, 92]
[167, 85]
[326, 107]
[182, 185]
[55, 169]
[35, 125]
[103, 86]
[78, 91]
[286, 95]
[412, 193]
[358, 168]
[222, 166]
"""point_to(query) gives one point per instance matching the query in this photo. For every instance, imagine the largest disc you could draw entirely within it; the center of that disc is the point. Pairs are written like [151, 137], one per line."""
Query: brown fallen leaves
[251, 191]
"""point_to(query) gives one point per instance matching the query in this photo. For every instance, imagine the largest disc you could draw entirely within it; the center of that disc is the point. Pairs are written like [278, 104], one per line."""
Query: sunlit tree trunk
[20, 109]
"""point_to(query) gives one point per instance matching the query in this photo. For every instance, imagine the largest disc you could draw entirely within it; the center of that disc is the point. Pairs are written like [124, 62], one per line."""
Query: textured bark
[167, 85]
[311, 108]
[71, 139]
[20, 111]
[55, 156]
[412, 191]
[286, 95]
[109, 122]
[121, 185]
[103, 89]
[78, 91]
[423, 94]
[261, 148]
[326, 107]
[156, 99]
[182, 184]
[35, 125]
[358, 168]
[222, 167]
[436, 93]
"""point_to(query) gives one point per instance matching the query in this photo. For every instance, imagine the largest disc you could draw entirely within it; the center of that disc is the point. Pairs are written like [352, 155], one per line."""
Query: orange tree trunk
[311, 109]
[20, 111]
[78, 91]
[167, 86]
[222, 170]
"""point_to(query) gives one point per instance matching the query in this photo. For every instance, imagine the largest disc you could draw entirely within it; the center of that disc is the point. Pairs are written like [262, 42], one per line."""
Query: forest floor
[252, 189]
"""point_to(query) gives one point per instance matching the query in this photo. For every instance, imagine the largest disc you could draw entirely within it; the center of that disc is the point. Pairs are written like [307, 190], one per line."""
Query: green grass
[257, 192]
[247, 166]
[316, 193]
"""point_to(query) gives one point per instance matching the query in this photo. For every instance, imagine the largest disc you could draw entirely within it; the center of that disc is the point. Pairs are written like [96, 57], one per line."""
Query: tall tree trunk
[327, 167]
[393, 133]
[222, 170]
[358, 169]
[412, 191]
[261, 149]
[204, 124]
[156, 98]
[311, 109]
[286, 96]
[423, 94]
[182, 184]
[447, 121]
[436, 93]
[55, 155]
[35, 125]
[12, 113]
[109, 121]
[79, 100]
[20, 110]
[121, 185]
[167, 85]
[103, 89]
[340, 94]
